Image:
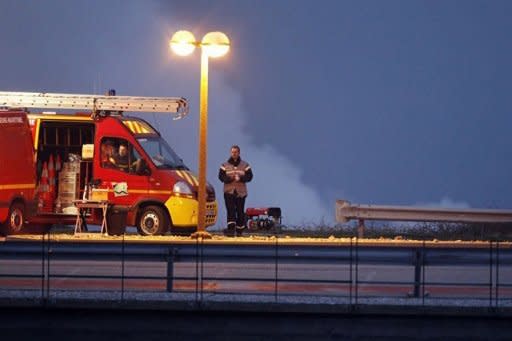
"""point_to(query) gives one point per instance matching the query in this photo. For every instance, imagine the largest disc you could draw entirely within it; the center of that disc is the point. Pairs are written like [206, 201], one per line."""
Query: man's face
[235, 153]
[123, 150]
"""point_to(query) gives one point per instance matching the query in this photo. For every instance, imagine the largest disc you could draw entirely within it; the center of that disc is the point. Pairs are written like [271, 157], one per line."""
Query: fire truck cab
[104, 155]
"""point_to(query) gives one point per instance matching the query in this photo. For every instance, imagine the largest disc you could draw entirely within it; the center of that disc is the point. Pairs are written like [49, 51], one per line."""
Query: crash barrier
[346, 211]
[351, 268]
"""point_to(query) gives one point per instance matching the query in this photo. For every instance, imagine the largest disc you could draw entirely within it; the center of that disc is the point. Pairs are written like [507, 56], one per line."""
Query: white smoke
[445, 203]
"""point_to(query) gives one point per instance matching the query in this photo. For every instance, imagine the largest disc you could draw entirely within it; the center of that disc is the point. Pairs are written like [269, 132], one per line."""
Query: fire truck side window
[119, 154]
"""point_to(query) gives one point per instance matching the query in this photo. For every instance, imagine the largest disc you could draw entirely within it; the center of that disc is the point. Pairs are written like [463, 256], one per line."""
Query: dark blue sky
[382, 102]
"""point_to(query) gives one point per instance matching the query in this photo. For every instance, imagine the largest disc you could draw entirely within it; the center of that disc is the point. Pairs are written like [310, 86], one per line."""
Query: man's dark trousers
[235, 210]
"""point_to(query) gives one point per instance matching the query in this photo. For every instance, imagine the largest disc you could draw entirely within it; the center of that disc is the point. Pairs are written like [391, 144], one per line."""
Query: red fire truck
[49, 161]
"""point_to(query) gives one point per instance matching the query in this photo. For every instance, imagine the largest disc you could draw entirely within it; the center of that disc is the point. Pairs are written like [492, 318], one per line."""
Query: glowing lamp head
[183, 43]
[215, 44]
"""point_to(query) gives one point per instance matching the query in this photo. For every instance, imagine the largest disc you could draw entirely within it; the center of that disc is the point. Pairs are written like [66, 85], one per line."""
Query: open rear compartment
[62, 173]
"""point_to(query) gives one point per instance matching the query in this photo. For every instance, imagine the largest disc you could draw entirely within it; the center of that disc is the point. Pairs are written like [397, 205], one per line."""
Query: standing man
[235, 173]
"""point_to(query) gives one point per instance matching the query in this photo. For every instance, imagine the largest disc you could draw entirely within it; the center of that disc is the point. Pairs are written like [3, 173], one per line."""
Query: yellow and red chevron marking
[189, 177]
[138, 127]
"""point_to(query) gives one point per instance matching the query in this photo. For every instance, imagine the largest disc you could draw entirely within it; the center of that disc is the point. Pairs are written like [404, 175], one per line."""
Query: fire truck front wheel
[16, 219]
[152, 221]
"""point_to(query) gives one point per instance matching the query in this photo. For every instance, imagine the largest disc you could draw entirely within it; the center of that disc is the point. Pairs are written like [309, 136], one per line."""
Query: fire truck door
[120, 169]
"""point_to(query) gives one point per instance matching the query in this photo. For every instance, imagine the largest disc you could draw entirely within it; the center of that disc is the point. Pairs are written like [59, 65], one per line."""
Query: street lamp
[214, 44]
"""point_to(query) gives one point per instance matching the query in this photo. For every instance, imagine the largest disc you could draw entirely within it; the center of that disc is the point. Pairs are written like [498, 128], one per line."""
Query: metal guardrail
[346, 211]
[494, 256]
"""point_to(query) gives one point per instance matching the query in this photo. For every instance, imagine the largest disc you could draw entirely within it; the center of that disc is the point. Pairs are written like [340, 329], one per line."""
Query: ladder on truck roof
[176, 105]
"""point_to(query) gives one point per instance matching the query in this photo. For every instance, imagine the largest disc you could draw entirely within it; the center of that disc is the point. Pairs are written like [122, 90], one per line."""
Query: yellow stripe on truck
[36, 138]
[152, 191]
[137, 127]
[18, 186]
[188, 177]
[194, 179]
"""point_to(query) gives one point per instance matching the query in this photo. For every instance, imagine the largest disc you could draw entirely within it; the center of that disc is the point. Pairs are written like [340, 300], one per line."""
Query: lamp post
[213, 44]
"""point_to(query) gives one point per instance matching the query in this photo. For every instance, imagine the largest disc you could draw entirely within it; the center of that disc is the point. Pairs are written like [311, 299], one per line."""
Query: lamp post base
[201, 234]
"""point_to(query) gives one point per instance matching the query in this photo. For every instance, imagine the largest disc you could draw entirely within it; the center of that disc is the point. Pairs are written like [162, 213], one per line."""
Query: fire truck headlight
[181, 188]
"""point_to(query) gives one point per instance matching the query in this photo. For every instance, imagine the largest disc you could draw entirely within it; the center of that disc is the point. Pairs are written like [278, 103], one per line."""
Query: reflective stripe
[160, 192]
[137, 127]
[143, 191]
[129, 125]
[36, 138]
[187, 176]
[194, 179]
[144, 128]
[18, 186]
[59, 117]
[189, 179]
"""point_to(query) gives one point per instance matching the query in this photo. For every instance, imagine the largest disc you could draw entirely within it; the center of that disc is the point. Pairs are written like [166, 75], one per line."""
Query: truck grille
[211, 213]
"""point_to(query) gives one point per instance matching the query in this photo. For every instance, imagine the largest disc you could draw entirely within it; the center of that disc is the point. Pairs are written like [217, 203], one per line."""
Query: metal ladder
[175, 105]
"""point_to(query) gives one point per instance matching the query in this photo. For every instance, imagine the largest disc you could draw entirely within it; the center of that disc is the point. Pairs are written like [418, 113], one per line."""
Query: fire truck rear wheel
[16, 219]
[152, 221]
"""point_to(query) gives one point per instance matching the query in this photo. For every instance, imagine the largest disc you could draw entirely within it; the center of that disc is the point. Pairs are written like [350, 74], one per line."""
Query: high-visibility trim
[191, 179]
[60, 117]
[145, 191]
[137, 127]
[36, 137]
[160, 192]
[180, 174]
[187, 177]
[194, 179]
[176, 105]
[17, 186]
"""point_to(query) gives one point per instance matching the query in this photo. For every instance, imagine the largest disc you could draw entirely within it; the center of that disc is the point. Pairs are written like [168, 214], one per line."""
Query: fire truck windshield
[162, 155]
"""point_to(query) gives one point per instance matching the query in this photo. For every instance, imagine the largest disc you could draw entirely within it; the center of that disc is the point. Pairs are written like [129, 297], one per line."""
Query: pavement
[87, 315]
[267, 303]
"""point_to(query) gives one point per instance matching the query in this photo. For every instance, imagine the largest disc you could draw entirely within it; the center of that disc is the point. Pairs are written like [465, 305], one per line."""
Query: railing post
[170, 269]
[490, 273]
[48, 276]
[360, 228]
[122, 270]
[276, 269]
[350, 269]
[357, 270]
[497, 272]
[424, 255]
[197, 271]
[418, 256]
[43, 258]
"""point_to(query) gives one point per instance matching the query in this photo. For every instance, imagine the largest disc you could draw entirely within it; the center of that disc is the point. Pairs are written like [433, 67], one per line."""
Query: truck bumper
[183, 211]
